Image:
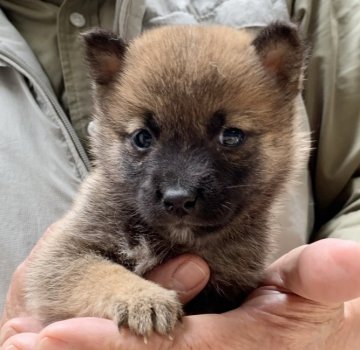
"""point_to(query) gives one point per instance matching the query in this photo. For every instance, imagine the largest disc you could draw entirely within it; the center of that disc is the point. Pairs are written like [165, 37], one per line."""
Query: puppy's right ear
[105, 53]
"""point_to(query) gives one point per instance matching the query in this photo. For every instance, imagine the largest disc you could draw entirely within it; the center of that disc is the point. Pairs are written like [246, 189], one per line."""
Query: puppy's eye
[232, 137]
[142, 139]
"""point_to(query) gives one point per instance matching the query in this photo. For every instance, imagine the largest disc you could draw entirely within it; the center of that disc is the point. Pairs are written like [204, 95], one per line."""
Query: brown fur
[181, 80]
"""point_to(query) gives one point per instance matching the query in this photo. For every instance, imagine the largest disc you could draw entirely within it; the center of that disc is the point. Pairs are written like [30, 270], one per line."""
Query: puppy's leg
[93, 286]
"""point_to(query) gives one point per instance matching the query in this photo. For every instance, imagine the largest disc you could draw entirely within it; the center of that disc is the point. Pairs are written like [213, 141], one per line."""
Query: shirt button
[91, 128]
[77, 19]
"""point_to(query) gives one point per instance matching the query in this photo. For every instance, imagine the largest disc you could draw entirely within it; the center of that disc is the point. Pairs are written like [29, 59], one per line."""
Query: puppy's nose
[178, 201]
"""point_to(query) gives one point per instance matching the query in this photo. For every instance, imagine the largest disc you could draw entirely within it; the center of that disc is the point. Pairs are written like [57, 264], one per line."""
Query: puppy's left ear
[105, 53]
[282, 54]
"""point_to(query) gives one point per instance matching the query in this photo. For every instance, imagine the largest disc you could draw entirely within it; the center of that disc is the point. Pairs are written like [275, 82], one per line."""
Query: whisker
[225, 206]
[240, 186]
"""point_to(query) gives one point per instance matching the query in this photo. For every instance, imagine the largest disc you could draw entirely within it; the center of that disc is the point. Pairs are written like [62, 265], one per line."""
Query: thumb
[186, 274]
[327, 271]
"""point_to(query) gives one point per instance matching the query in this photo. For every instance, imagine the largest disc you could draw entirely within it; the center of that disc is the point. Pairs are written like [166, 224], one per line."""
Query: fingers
[327, 271]
[74, 334]
[15, 305]
[19, 325]
[77, 334]
[89, 333]
[22, 341]
[93, 334]
[186, 274]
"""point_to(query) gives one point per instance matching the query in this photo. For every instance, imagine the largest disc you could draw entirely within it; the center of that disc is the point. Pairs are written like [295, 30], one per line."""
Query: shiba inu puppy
[196, 136]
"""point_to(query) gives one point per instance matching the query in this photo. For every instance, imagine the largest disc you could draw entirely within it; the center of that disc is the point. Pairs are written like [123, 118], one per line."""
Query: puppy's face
[195, 124]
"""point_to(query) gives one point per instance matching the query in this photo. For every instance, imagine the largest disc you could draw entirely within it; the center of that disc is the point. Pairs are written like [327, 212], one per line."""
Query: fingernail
[53, 344]
[188, 276]
[6, 333]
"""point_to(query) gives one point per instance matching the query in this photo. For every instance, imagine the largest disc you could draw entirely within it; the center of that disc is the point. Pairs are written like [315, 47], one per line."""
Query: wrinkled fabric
[235, 13]
[47, 28]
[40, 167]
[332, 98]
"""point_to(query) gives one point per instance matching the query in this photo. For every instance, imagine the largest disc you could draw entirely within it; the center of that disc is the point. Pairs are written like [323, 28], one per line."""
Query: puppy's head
[195, 124]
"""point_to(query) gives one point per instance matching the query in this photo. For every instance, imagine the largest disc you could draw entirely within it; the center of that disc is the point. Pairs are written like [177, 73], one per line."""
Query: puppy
[196, 138]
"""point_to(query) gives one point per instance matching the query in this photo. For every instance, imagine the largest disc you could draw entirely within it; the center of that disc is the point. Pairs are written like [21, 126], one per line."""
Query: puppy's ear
[282, 54]
[105, 53]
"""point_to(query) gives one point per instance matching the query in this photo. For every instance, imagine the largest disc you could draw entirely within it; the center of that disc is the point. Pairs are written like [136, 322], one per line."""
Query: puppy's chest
[140, 258]
[225, 262]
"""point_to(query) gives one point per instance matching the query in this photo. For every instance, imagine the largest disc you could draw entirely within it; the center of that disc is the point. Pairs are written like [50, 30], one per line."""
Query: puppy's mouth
[189, 222]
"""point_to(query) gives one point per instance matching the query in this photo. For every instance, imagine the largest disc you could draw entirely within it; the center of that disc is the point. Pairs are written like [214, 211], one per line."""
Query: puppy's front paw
[150, 309]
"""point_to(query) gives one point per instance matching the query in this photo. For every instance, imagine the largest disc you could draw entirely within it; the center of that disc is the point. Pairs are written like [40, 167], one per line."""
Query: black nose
[179, 201]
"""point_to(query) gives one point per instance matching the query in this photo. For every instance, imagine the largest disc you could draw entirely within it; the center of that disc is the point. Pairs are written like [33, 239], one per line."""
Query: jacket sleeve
[332, 98]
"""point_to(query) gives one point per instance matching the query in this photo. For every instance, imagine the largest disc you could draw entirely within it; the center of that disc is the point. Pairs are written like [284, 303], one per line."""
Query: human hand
[308, 301]
[15, 302]
[186, 274]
